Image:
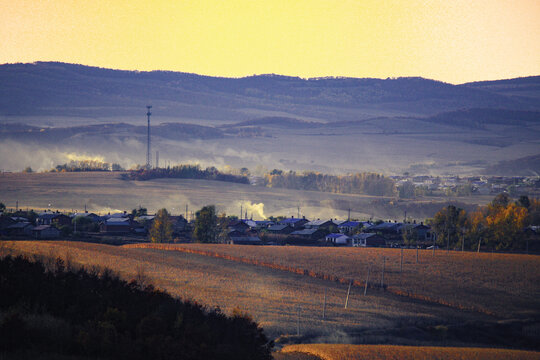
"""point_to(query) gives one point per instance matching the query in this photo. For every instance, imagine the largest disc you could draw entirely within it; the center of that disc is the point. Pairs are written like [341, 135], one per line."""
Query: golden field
[380, 352]
[282, 302]
[502, 285]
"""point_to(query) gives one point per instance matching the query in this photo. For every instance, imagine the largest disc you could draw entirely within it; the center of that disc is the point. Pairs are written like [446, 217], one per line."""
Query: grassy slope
[271, 296]
[379, 352]
[501, 284]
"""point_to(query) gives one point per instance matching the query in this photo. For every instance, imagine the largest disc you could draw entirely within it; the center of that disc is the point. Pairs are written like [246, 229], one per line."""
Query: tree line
[87, 165]
[186, 172]
[359, 183]
[50, 308]
[500, 225]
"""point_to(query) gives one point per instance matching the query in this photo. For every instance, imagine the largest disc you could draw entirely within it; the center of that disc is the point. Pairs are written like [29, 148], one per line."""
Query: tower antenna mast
[148, 155]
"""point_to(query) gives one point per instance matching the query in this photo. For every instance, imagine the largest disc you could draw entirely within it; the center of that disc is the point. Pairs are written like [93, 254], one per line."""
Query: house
[45, 232]
[50, 218]
[280, 229]
[420, 231]
[295, 223]
[367, 239]
[387, 229]
[180, 224]
[94, 217]
[5, 221]
[319, 224]
[306, 236]
[116, 226]
[264, 224]
[337, 239]
[239, 238]
[19, 229]
[239, 225]
[348, 227]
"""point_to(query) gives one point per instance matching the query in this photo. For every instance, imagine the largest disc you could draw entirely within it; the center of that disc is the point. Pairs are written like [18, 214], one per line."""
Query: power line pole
[148, 154]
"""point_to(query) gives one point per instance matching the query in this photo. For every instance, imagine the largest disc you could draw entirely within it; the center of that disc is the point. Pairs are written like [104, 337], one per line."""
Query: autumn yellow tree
[162, 229]
[505, 224]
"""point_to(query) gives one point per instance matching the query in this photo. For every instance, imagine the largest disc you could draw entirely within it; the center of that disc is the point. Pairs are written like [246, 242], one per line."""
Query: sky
[454, 41]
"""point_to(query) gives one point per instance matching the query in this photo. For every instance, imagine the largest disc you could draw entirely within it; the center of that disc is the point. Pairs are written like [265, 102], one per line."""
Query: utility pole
[157, 159]
[348, 293]
[324, 306]
[148, 154]
[367, 280]
[382, 275]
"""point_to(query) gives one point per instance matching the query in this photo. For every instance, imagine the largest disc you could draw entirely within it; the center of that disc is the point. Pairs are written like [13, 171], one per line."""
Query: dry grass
[380, 352]
[271, 296]
[498, 284]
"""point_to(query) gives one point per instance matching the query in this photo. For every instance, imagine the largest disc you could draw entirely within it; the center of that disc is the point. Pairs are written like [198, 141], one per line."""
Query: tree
[523, 201]
[162, 229]
[505, 225]
[2, 206]
[406, 190]
[447, 223]
[27, 169]
[502, 199]
[206, 229]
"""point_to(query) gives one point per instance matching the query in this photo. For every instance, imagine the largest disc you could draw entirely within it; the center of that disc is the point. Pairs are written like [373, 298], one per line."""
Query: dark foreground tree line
[61, 311]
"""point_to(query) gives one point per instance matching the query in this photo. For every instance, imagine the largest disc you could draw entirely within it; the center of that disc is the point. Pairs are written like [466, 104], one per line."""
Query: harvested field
[380, 352]
[281, 301]
[105, 191]
[502, 285]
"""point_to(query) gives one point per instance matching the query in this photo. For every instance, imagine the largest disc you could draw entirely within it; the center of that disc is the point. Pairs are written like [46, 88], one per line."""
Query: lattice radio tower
[148, 155]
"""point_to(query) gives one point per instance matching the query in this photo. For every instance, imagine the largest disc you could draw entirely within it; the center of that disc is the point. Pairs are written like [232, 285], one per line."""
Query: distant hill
[526, 166]
[478, 118]
[525, 87]
[173, 131]
[51, 88]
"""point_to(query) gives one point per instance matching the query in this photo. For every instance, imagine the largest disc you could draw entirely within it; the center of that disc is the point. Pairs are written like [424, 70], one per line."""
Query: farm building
[244, 239]
[367, 239]
[45, 232]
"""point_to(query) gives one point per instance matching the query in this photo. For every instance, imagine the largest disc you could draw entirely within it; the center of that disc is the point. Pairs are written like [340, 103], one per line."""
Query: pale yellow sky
[449, 40]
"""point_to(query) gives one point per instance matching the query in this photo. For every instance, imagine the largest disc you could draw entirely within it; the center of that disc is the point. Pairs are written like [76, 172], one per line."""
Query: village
[134, 226]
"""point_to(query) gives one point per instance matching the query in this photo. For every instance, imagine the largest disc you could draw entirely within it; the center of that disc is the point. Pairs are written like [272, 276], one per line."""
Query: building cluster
[51, 225]
[285, 231]
[481, 185]
[301, 231]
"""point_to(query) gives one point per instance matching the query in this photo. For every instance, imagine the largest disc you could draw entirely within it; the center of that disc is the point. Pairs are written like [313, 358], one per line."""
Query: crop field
[104, 192]
[379, 352]
[503, 285]
[288, 306]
